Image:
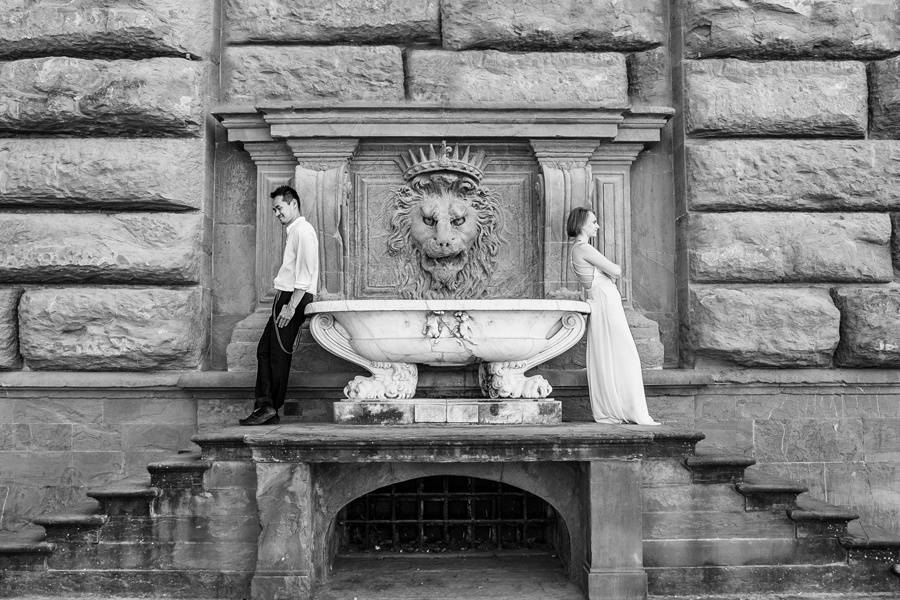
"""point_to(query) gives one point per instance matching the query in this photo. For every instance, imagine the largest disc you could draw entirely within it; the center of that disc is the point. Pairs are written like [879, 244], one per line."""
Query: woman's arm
[594, 257]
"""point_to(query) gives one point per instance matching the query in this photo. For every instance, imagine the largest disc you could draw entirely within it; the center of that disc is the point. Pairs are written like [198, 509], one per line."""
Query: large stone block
[862, 29]
[111, 328]
[313, 21]
[537, 25]
[9, 328]
[87, 28]
[762, 325]
[61, 95]
[777, 98]
[260, 73]
[99, 248]
[792, 174]
[885, 92]
[649, 77]
[895, 239]
[105, 173]
[533, 77]
[747, 247]
[870, 326]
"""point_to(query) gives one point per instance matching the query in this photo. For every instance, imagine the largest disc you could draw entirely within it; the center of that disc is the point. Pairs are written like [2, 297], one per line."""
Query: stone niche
[345, 161]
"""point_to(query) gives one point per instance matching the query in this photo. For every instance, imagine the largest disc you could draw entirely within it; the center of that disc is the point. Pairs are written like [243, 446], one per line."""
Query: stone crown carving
[445, 158]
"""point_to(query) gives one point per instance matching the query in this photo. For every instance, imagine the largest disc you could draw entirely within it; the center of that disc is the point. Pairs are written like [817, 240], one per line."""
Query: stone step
[151, 555]
[689, 497]
[783, 596]
[718, 467]
[23, 550]
[760, 579]
[820, 519]
[81, 523]
[183, 471]
[741, 552]
[178, 583]
[769, 493]
[697, 525]
[128, 497]
[866, 543]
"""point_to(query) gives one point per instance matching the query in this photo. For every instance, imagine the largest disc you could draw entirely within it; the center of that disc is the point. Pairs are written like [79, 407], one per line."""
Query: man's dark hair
[287, 192]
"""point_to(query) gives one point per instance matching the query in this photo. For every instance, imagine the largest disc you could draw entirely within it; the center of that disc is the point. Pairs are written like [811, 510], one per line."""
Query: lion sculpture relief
[445, 227]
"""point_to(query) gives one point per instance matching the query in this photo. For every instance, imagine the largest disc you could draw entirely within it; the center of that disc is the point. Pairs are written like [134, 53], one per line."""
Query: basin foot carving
[508, 380]
[388, 381]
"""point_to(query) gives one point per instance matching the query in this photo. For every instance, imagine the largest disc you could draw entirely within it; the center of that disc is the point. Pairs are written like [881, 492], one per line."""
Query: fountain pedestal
[545, 411]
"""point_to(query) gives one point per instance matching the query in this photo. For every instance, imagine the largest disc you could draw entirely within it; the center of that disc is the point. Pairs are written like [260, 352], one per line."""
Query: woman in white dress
[613, 366]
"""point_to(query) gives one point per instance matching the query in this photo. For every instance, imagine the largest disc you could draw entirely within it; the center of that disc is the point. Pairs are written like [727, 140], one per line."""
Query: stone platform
[545, 411]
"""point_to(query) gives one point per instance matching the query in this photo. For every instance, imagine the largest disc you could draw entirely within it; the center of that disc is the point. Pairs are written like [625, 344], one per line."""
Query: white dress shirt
[300, 263]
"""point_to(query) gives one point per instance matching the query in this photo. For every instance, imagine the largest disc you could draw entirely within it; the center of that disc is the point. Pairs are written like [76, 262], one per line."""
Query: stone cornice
[287, 120]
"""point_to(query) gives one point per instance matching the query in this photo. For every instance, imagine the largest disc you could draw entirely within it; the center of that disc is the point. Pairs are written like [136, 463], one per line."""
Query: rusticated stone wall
[104, 258]
[788, 178]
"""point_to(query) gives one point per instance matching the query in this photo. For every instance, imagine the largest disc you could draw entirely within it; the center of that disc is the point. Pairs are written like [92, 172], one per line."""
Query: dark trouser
[273, 354]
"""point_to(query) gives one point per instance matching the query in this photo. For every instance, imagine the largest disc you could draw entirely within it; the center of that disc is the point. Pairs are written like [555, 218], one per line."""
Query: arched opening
[479, 533]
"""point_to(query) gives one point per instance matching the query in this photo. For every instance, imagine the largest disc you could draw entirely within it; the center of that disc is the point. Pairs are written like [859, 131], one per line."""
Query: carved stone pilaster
[323, 182]
[274, 167]
[611, 202]
[567, 181]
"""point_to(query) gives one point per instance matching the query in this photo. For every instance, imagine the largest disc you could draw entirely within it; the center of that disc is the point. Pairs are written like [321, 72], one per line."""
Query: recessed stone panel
[111, 328]
[91, 29]
[731, 97]
[792, 174]
[306, 73]
[885, 95]
[747, 247]
[532, 77]
[99, 248]
[762, 326]
[60, 95]
[870, 326]
[861, 29]
[105, 173]
[9, 328]
[537, 25]
[332, 21]
[649, 78]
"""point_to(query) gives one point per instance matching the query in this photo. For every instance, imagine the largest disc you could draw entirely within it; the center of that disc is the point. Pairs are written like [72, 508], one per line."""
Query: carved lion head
[447, 231]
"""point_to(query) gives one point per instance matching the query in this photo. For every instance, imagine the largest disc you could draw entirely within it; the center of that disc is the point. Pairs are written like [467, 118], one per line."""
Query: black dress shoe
[256, 412]
[268, 416]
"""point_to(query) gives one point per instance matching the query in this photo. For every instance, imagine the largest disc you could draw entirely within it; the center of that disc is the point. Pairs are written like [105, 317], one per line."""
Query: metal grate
[446, 513]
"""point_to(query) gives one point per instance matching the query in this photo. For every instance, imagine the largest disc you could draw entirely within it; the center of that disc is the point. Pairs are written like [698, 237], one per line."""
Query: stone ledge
[224, 380]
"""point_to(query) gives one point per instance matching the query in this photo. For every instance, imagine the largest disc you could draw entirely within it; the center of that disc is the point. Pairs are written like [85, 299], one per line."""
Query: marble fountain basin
[506, 337]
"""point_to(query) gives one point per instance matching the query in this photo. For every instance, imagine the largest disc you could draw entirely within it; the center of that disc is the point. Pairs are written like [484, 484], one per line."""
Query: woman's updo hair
[577, 220]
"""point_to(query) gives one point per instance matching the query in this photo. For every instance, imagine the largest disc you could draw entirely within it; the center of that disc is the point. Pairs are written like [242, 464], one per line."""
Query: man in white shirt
[295, 286]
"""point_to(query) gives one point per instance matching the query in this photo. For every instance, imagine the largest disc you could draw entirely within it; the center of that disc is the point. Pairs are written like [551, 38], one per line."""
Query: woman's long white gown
[613, 366]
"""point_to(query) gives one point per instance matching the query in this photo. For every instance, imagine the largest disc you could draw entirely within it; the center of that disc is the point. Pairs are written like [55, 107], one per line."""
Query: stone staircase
[710, 532]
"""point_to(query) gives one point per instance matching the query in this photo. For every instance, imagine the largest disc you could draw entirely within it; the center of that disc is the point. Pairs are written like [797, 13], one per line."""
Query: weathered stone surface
[537, 25]
[9, 328]
[746, 247]
[885, 92]
[103, 173]
[895, 239]
[777, 98]
[332, 21]
[792, 174]
[111, 328]
[157, 96]
[129, 29]
[119, 248]
[870, 326]
[534, 77]
[260, 73]
[862, 29]
[649, 79]
[763, 325]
